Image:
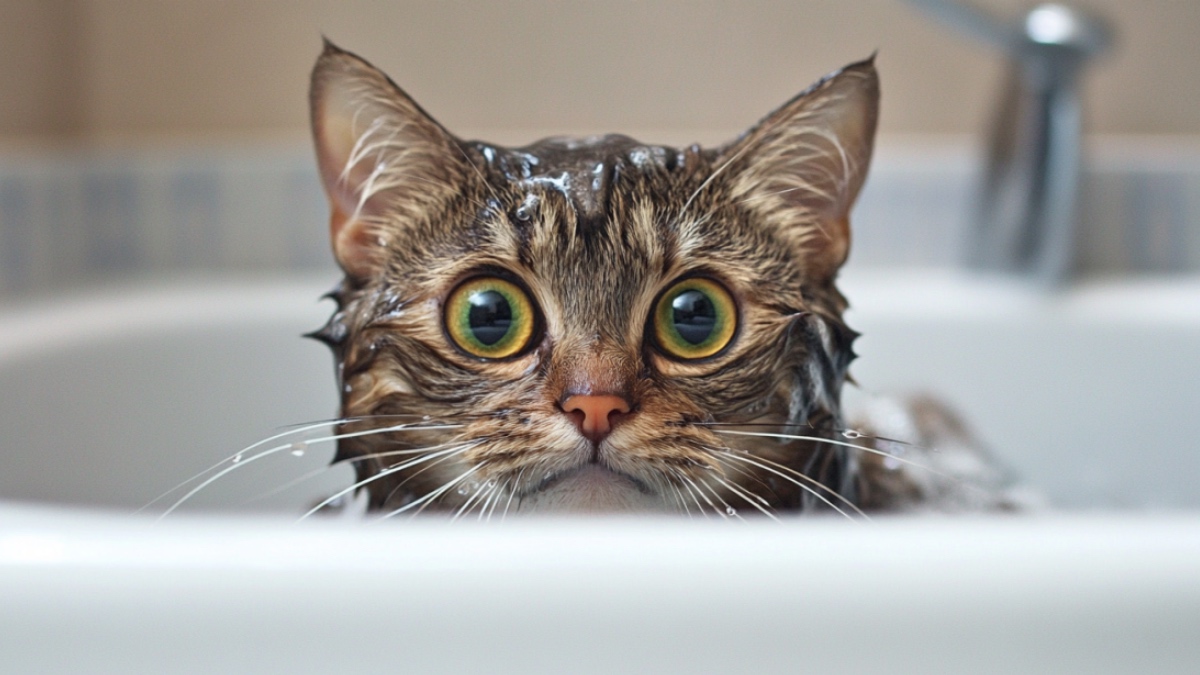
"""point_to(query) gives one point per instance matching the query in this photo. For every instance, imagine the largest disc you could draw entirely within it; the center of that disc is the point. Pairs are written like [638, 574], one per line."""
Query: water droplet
[462, 490]
[237, 458]
[349, 389]
[491, 483]
[851, 433]
[730, 511]
[298, 448]
[425, 418]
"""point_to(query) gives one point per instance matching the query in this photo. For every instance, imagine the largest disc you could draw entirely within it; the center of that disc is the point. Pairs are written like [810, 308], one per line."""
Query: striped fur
[595, 229]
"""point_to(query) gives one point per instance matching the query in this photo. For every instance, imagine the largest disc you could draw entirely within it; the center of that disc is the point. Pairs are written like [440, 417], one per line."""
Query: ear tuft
[801, 168]
[382, 159]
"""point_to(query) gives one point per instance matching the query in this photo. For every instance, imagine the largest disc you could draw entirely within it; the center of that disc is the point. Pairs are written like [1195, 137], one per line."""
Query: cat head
[590, 324]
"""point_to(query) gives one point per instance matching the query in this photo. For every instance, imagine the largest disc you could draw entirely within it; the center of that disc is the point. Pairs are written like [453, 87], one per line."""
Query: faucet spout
[1028, 205]
[1028, 201]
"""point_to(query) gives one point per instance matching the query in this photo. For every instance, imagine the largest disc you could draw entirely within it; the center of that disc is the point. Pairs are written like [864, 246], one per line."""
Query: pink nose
[594, 415]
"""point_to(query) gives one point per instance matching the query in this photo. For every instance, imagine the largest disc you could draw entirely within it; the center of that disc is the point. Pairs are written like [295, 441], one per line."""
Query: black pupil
[490, 316]
[694, 316]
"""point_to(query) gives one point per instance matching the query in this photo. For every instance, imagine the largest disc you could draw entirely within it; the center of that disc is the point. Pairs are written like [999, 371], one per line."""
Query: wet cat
[595, 324]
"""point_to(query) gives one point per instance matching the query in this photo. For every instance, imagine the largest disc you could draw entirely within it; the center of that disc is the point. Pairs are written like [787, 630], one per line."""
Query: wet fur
[415, 211]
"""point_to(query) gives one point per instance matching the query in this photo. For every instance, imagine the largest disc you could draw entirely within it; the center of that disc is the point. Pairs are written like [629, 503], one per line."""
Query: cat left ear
[801, 168]
[384, 161]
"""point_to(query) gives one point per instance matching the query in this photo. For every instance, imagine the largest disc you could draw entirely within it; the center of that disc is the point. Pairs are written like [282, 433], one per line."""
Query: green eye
[694, 319]
[490, 318]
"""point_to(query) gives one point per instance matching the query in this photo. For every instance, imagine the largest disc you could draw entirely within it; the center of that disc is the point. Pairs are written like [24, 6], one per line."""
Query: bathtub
[115, 396]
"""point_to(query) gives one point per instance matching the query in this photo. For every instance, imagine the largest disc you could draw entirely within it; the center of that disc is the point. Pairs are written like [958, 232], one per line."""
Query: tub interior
[115, 396]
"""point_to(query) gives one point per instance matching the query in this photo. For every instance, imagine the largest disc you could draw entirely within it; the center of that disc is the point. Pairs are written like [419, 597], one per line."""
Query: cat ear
[800, 169]
[383, 160]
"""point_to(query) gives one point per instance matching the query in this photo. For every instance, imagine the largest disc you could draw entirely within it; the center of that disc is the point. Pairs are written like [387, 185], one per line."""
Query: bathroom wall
[116, 70]
[151, 137]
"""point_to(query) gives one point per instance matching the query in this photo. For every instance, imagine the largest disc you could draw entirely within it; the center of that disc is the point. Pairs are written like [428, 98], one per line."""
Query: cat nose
[594, 414]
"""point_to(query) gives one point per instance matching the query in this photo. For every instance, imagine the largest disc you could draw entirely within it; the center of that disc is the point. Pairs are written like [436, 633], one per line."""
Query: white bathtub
[113, 397]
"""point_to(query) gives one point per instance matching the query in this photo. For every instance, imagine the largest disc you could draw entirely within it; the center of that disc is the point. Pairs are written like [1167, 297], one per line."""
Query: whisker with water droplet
[395, 468]
[765, 465]
[432, 495]
[863, 448]
[748, 496]
[239, 462]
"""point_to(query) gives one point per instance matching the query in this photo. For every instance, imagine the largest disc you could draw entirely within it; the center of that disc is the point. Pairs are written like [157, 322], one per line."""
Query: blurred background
[97, 71]
[145, 143]
[142, 136]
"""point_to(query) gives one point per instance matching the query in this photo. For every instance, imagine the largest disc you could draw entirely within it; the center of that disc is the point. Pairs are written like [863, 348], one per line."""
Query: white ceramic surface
[96, 594]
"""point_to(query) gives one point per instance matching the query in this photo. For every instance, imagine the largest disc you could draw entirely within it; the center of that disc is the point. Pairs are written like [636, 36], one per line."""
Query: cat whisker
[683, 503]
[345, 460]
[698, 491]
[291, 430]
[457, 449]
[508, 488]
[422, 470]
[240, 461]
[299, 429]
[748, 474]
[694, 491]
[317, 472]
[844, 444]
[512, 493]
[471, 501]
[846, 433]
[679, 483]
[491, 501]
[730, 512]
[765, 465]
[664, 483]
[424, 501]
[748, 496]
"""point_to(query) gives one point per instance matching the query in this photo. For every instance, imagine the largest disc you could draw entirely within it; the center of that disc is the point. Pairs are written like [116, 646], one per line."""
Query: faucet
[1028, 200]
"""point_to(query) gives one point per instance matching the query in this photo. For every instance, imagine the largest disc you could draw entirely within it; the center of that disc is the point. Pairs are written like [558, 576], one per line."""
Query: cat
[595, 325]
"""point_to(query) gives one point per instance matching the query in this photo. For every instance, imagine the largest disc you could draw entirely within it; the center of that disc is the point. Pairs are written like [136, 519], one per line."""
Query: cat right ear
[801, 168]
[384, 162]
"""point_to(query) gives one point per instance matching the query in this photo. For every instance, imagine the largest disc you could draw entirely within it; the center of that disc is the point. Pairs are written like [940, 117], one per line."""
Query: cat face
[590, 324]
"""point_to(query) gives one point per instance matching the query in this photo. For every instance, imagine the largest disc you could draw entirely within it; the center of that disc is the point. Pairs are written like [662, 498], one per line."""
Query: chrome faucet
[1028, 200]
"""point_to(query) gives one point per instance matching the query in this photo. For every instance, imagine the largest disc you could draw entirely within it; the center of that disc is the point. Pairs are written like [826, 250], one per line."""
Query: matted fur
[595, 229]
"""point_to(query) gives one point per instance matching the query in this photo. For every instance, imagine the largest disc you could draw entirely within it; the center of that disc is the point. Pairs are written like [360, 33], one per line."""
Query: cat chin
[593, 489]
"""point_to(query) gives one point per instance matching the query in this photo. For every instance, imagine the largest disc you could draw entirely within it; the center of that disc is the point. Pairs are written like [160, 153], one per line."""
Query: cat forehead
[583, 170]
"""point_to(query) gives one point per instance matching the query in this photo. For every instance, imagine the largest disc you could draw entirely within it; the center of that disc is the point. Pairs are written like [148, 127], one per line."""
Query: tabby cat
[594, 324]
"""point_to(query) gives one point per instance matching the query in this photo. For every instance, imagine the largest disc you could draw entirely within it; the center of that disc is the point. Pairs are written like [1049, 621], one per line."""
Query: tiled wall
[67, 220]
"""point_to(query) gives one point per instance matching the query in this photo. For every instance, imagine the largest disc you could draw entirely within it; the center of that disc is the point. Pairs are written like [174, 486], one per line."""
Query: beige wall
[39, 68]
[112, 70]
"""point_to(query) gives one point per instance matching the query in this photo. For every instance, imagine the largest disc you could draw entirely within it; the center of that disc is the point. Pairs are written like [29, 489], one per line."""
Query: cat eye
[490, 317]
[694, 319]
